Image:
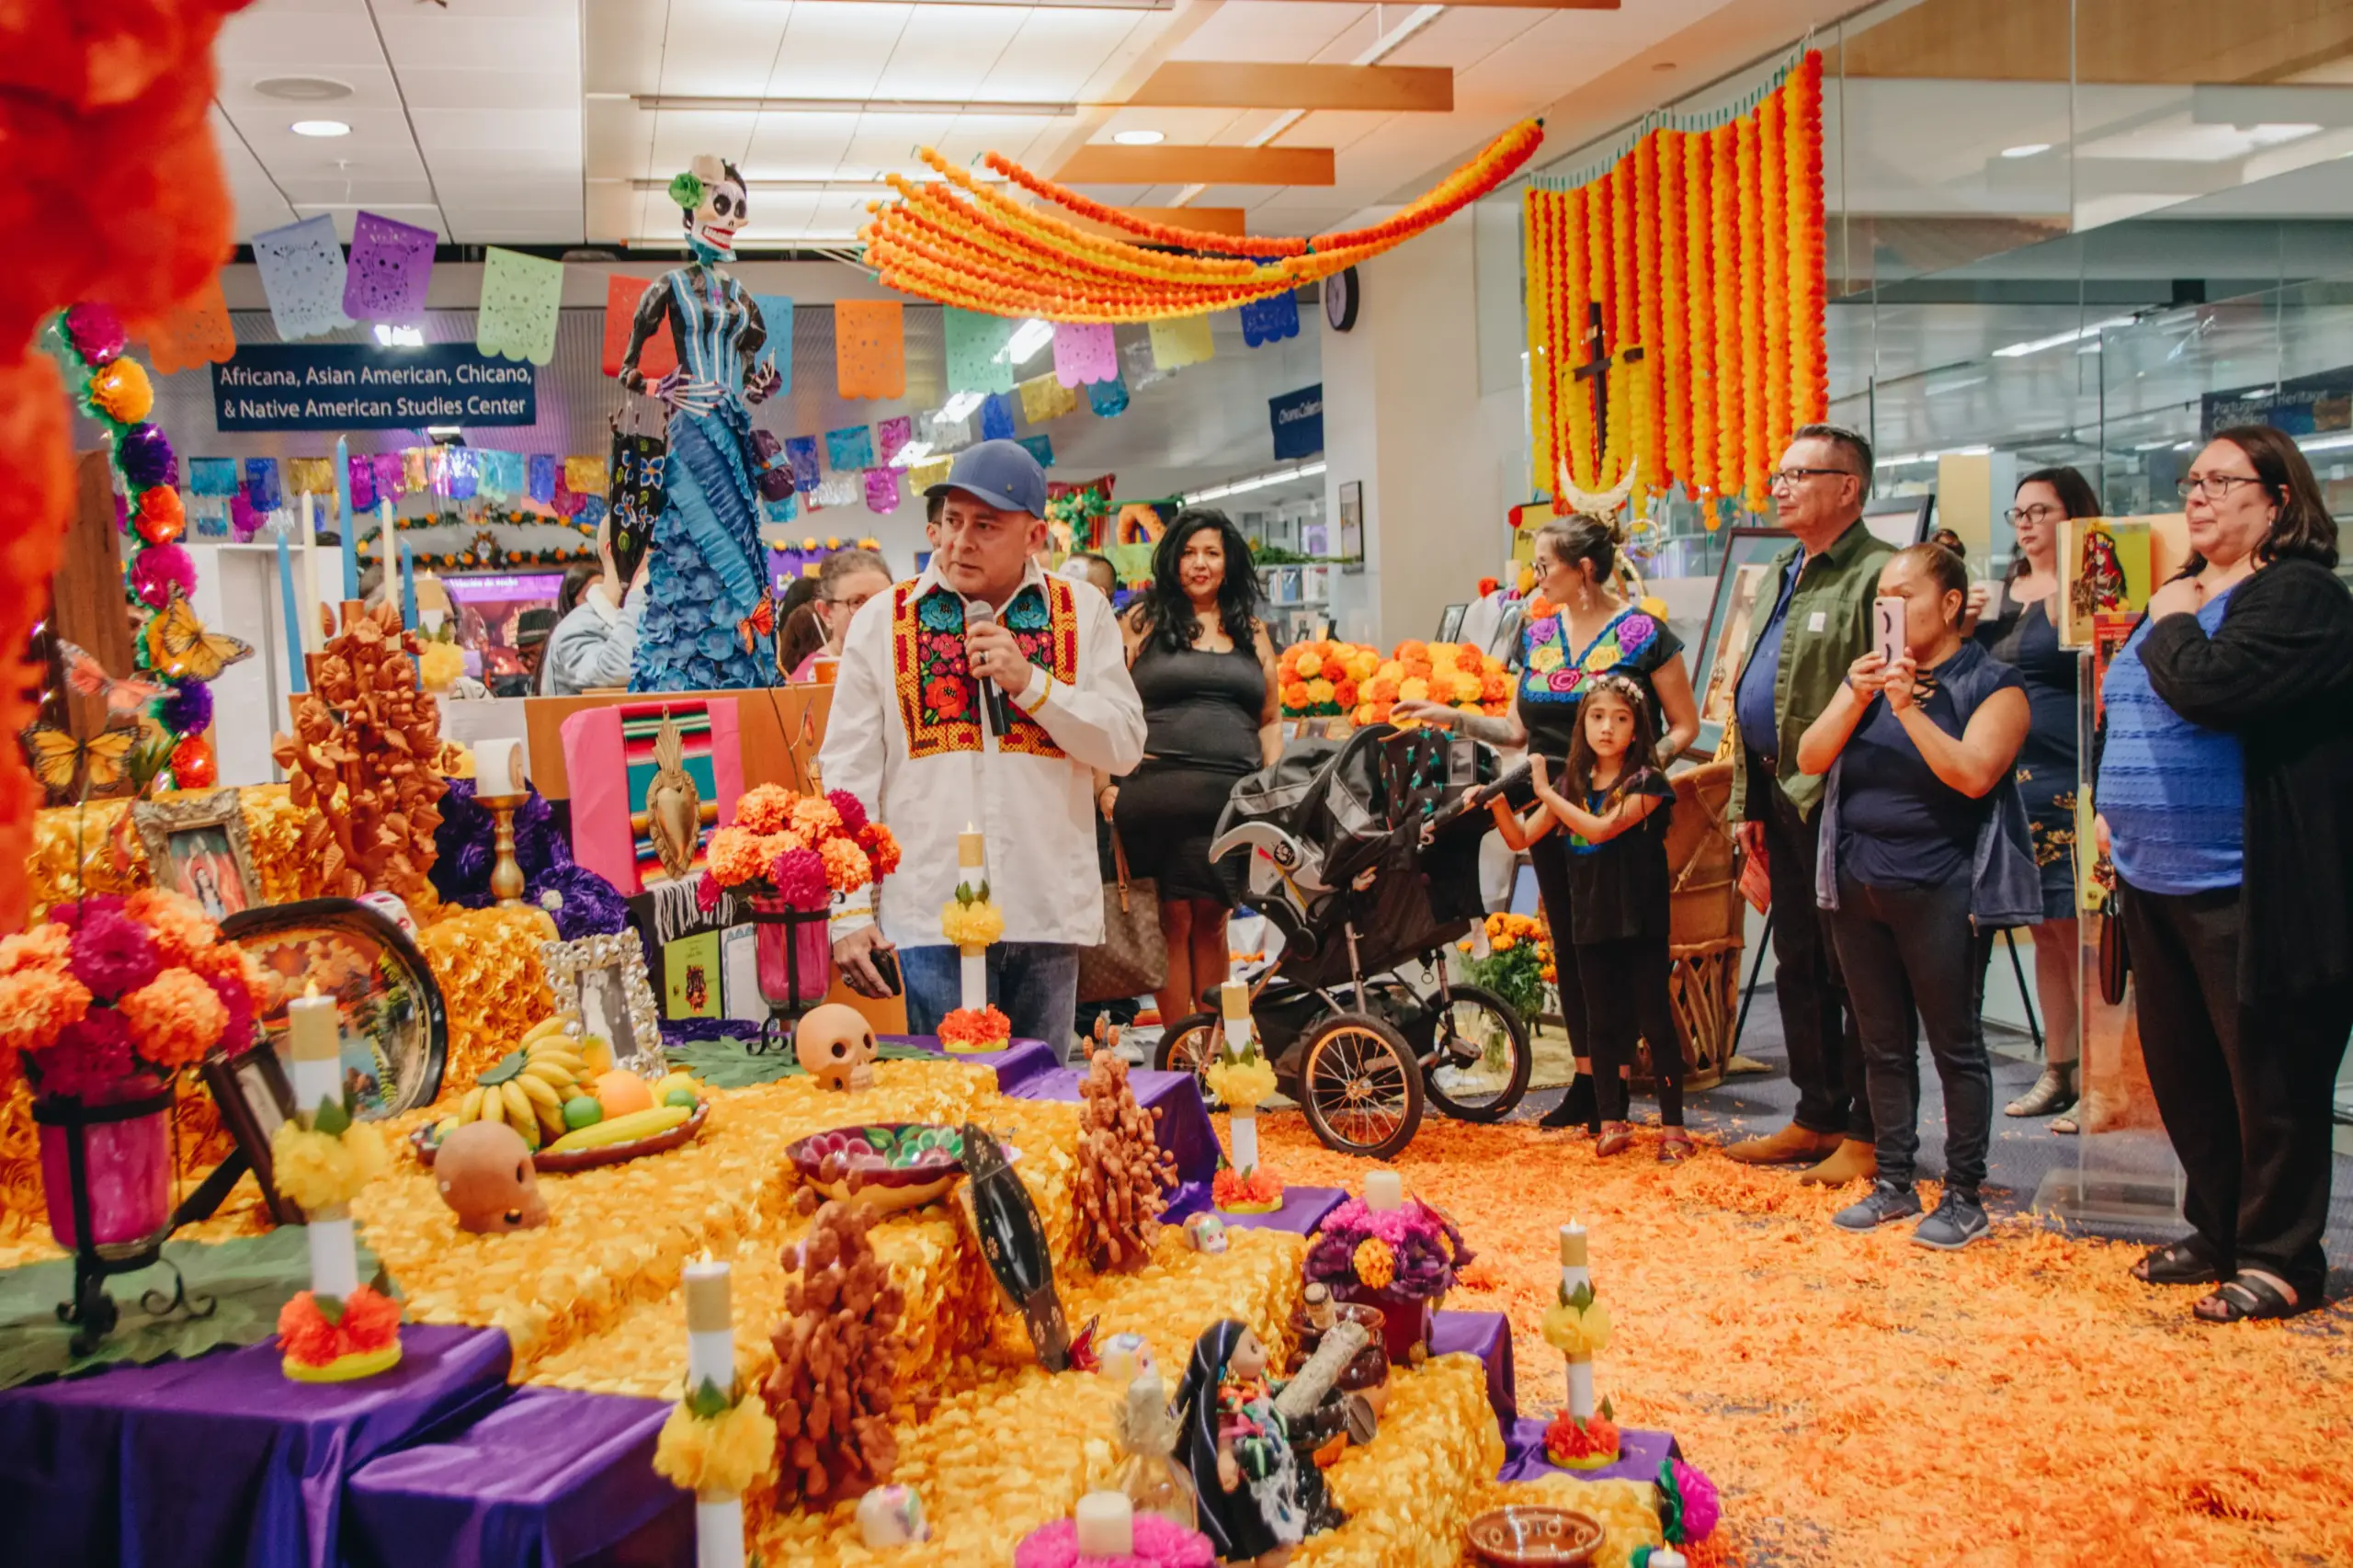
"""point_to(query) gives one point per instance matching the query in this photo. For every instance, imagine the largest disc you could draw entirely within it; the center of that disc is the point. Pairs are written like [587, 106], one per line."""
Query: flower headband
[1624, 686]
[687, 189]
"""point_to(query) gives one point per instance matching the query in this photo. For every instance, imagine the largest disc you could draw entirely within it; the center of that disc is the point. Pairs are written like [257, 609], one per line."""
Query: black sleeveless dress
[1201, 713]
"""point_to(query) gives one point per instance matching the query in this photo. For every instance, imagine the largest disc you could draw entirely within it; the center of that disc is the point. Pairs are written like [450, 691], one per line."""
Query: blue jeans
[1033, 983]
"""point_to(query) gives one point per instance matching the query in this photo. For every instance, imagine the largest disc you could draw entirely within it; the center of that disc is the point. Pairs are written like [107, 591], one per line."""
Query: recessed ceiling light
[2026, 150]
[1139, 138]
[319, 128]
[302, 89]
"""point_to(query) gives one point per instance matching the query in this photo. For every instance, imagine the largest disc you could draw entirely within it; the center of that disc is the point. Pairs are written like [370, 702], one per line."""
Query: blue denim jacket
[2006, 889]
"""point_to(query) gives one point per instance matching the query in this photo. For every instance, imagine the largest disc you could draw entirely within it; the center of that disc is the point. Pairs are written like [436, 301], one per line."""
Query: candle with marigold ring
[314, 1065]
[1576, 1276]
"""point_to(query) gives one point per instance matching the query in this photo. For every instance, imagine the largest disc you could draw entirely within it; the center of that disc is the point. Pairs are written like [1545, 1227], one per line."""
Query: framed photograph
[197, 846]
[395, 1032]
[1352, 524]
[1449, 621]
[1900, 520]
[253, 1095]
[1746, 580]
[602, 980]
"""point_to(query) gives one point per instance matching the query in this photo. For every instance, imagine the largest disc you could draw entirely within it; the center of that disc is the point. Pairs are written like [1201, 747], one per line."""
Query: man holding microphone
[984, 694]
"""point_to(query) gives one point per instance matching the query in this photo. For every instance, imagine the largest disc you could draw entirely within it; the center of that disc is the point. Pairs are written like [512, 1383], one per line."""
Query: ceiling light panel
[947, 52]
[832, 51]
[1072, 55]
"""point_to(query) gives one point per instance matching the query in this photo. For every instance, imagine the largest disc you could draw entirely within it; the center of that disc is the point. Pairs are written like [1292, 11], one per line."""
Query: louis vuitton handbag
[1132, 958]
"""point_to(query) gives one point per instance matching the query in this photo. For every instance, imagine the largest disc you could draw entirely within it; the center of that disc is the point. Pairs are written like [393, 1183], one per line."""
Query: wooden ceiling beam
[1221, 83]
[1107, 164]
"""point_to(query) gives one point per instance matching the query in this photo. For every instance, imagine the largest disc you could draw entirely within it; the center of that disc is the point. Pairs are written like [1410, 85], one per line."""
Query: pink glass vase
[795, 955]
[1404, 1325]
[127, 1167]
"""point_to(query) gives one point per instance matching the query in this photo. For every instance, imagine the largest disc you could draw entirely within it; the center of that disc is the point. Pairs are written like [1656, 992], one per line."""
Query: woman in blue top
[2225, 793]
[708, 622]
[1923, 836]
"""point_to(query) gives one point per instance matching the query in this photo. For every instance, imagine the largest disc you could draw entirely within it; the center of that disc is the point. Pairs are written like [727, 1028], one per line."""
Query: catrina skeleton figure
[706, 617]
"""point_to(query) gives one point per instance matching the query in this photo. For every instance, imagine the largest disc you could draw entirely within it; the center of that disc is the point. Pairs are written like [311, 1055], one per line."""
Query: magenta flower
[707, 892]
[800, 879]
[113, 955]
[852, 808]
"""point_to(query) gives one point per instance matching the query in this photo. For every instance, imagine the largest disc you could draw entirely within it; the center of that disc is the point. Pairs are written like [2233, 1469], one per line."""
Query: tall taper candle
[710, 1325]
[972, 859]
[408, 588]
[388, 556]
[306, 640]
[349, 535]
[1574, 1276]
[314, 1046]
[293, 612]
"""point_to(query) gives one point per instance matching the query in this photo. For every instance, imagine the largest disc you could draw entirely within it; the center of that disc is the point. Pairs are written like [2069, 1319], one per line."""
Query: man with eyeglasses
[1820, 623]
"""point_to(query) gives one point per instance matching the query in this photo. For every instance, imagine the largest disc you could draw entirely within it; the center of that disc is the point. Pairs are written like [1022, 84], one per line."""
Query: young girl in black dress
[1619, 892]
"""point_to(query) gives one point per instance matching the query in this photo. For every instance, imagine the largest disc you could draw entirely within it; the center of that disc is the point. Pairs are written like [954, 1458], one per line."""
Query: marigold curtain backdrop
[1702, 245]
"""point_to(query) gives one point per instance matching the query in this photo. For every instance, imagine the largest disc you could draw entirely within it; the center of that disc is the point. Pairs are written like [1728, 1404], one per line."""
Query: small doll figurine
[1237, 1448]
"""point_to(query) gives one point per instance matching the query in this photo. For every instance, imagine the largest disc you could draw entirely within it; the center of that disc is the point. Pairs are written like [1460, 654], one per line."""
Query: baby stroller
[1363, 853]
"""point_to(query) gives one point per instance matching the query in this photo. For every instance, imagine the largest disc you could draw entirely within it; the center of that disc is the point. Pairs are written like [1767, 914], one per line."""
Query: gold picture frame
[604, 976]
[196, 845]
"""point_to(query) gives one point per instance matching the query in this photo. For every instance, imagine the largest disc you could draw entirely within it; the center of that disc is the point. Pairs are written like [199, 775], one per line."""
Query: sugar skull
[835, 1045]
[1205, 1233]
[483, 1171]
[710, 197]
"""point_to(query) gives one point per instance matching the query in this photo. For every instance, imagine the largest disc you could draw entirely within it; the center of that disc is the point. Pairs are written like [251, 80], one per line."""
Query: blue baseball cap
[1002, 474]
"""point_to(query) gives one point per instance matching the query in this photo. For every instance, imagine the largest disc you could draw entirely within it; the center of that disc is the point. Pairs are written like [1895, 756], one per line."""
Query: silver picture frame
[605, 978]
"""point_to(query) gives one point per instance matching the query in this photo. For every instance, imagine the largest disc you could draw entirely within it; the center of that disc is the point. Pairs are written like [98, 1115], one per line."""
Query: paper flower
[973, 925]
[1688, 1505]
[113, 954]
[846, 869]
[188, 710]
[161, 516]
[965, 1029]
[1577, 1326]
[122, 392]
[764, 808]
[175, 1019]
[814, 817]
[799, 878]
[720, 1455]
[1376, 1266]
[364, 1320]
[1240, 1084]
[176, 923]
[439, 665]
[320, 1170]
[35, 1006]
[95, 331]
[881, 848]
[849, 810]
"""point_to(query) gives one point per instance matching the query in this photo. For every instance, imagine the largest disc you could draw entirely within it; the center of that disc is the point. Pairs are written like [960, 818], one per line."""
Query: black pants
[2243, 1086]
[1817, 1025]
[1549, 859]
[1907, 951]
[1626, 1001]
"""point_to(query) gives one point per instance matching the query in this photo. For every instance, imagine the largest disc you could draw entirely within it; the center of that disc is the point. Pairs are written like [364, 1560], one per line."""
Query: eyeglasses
[1790, 478]
[854, 604]
[2039, 512]
[2217, 486]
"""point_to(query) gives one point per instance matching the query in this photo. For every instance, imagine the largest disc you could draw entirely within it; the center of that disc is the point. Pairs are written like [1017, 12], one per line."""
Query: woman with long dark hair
[2016, 621]
[1205, 668]
[2225, 798]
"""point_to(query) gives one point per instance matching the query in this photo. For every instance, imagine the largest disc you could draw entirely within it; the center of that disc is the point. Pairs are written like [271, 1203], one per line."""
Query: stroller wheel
[1480, 1058]
[1187, 1048]
[1361, 1087]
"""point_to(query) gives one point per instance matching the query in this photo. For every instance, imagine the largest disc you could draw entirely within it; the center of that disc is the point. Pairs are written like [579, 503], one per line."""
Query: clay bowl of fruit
[1528, 1535]
[887, 1165]
[605, 1118]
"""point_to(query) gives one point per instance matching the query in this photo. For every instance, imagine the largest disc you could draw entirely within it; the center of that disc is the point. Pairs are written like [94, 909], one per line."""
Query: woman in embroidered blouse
[708, 620]
[1576, 627]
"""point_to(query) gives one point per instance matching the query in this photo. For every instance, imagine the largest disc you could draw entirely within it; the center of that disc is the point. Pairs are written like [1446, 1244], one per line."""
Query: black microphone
[980, 612]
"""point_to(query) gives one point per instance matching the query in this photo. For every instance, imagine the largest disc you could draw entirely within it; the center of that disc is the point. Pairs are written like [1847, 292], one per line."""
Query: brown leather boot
[1789, 1146]
[1854, 1161]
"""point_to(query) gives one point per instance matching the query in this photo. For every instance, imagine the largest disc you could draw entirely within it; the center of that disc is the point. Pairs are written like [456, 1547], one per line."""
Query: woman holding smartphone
[1923, 843]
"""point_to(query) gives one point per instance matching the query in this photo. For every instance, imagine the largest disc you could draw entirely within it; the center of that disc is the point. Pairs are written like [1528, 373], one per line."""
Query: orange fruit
[622, 1092]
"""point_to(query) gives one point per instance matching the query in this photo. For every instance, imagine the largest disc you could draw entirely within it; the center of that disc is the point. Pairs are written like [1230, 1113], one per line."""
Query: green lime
[676, 1096]
[581, 1111]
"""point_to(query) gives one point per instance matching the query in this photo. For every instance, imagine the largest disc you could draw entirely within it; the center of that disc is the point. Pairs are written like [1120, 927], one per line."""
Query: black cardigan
[2278, 674]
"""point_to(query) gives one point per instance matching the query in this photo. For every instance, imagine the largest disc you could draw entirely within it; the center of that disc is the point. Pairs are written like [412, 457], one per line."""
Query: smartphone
[1887, 628]
[886, 964]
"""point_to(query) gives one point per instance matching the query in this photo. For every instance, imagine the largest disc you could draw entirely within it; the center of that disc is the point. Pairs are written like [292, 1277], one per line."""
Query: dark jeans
[1908, 951]
[2243, 1086]
[1035, 984]
[1549, 859]
[1817, 1023]
[1626, 1000]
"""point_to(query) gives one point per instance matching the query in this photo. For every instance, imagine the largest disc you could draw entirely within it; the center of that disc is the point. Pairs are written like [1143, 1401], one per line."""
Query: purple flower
[1543, 631]
[189, 709]
[146, 456]
[1634, 633]
[113, 954]
[95, 331]
[852, 810]
[160, 570]
[800, 879]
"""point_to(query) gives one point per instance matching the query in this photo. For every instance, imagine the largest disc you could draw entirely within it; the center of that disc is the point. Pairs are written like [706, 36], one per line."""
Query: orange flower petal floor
[1861, 1400]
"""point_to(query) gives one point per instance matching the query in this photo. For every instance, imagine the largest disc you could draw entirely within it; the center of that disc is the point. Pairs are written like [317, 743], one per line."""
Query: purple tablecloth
[1639, 1453]
[1303, 1209]
[1486, 1335]
[220, 1461]
[1018, 1065]
[1183, 1126]
[551, 1479]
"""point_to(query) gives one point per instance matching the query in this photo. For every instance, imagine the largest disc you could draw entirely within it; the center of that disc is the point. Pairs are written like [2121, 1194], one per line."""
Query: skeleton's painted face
[712, 227]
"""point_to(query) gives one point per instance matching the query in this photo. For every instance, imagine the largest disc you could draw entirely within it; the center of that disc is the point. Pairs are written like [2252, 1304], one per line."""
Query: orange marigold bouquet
[1323, 679]
[1455, 674]
[1518, 964]
[800, 848]
[967, 1029]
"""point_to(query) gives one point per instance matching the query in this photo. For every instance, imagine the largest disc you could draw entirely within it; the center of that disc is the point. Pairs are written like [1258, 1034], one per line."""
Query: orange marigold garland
[1675, 327]
[1810, 351]
[1699, 201]
[1723, 195]
[1544, 430]
[1648, 317]
[1754, 421]
[1773, 187]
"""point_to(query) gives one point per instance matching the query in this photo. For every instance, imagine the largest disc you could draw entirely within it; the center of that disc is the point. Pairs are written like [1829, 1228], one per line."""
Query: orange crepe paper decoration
[659, 355]
[870, 347]
[196, 332]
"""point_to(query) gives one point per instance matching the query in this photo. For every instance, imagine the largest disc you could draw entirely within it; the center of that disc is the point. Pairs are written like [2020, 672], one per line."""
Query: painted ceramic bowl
[1368, 1372]
[1528, 1535]
[887, 1165]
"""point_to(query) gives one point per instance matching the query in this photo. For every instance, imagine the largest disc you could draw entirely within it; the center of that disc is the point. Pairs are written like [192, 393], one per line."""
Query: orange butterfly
[57, 757]
[761, 623]
[179, 647]
[89, 678]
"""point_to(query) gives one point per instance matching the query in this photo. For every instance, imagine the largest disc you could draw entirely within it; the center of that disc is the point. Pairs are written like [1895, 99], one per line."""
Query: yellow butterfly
[57, 757]
[179, 647]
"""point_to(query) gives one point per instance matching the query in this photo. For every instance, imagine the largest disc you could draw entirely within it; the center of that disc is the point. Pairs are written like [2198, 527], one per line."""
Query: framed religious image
[1745, 580]
[602, 980]
[197, 846]
[1352, 526]
[253, 1095]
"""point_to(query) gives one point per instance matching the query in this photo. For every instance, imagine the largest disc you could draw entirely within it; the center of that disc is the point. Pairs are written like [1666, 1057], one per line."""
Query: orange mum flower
[815, 818]
[845, 865]
[881, 848]
[174, 1018]
[36, 1004]
[764, 808]
[739, 856]
[177, 923]
[45, 947]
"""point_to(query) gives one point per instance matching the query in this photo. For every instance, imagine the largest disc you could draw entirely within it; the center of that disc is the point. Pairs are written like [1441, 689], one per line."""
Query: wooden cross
[1596, 370]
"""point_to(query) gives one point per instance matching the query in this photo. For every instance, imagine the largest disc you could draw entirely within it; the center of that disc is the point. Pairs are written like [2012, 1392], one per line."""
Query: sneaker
[1884, 1202]
[1958, 1221]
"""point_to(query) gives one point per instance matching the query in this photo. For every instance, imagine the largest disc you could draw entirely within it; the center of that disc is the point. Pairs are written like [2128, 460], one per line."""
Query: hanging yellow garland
[1699, 165]
[1648, 317]
[1674, 329]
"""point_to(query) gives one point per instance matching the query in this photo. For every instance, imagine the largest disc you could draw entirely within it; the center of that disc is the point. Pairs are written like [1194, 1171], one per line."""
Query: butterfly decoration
[88, 677]
[59, 757]
[180, 647]
[759, 624]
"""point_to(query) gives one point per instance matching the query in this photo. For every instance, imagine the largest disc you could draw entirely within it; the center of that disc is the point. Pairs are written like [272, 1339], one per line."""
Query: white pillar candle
[974, 970]
[1384, 1190]
[1244, 1129]
[499, 767]
[1106, 1525]
[314, 1046]
[1574, 1276]
[388, 553]
[335, 1256]
[971, 850]
[1234, 1003]
[710, 1325]
[719, 1533]
[1667, 1557]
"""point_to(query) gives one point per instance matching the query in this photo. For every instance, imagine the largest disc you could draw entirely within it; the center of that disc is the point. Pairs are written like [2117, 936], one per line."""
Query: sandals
[2247, 1298]
[1615, 1138]
[1675, 1147]
[2179, 1264]
[2053, 1092]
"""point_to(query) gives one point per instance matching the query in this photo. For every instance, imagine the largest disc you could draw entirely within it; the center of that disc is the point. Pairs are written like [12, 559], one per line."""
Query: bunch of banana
[527, 1087]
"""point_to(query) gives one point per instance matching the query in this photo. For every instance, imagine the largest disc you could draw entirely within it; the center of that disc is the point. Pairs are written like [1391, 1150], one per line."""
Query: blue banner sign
[1297, 420]
[361, 386]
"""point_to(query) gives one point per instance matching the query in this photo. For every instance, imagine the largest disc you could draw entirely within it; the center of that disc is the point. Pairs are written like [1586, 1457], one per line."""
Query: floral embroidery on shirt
[1620, 643]
[938, 697]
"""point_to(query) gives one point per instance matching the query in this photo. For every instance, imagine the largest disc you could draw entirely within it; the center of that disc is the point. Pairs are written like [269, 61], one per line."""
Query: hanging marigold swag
[1703, 245]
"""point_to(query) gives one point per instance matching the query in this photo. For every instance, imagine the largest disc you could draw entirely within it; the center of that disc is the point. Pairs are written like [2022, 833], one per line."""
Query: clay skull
[485, 1173]
[835, 1045]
